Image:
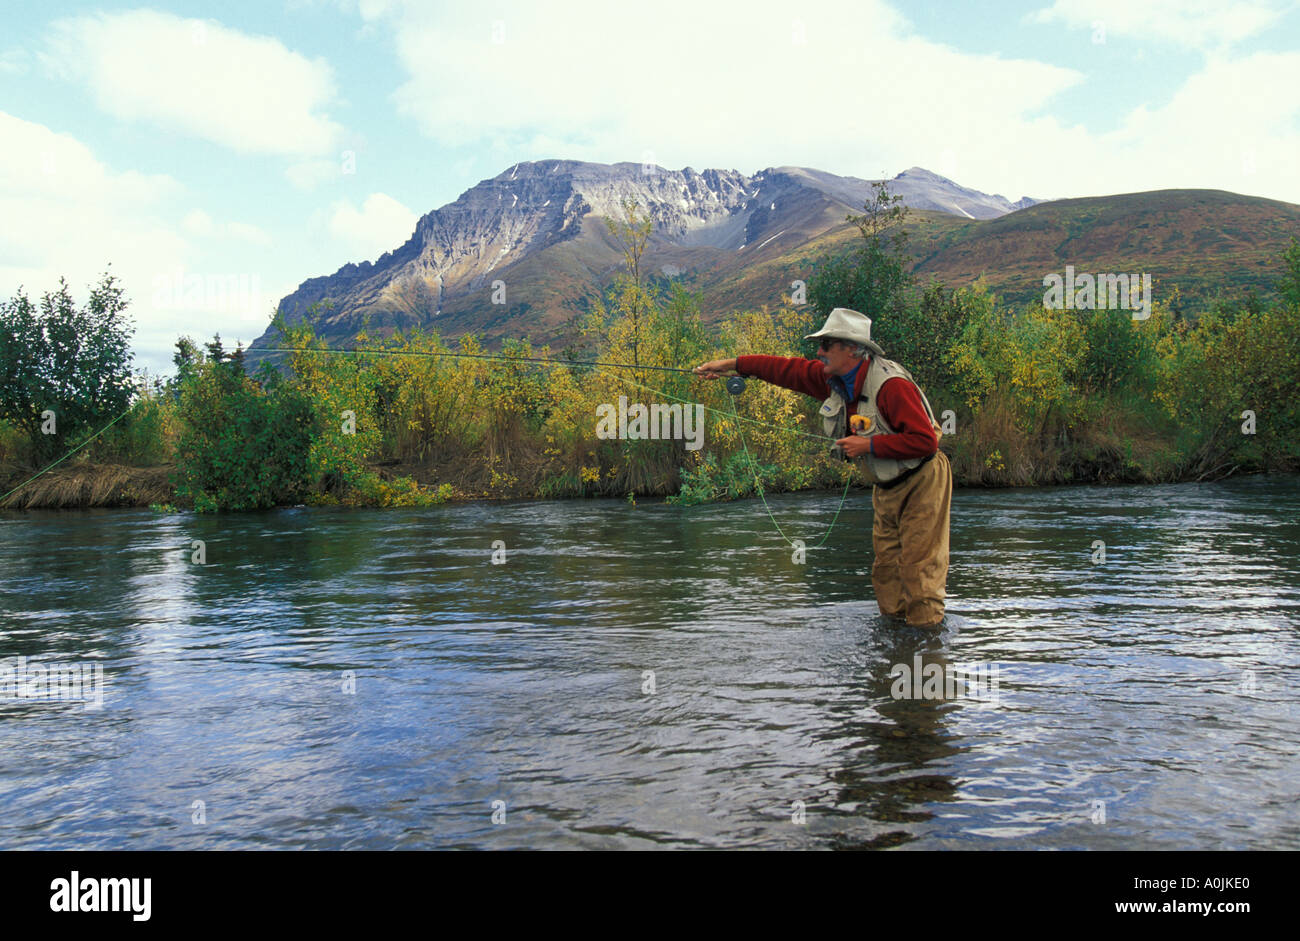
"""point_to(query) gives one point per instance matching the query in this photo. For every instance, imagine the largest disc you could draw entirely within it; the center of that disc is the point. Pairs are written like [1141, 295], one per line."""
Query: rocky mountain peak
[530, 208]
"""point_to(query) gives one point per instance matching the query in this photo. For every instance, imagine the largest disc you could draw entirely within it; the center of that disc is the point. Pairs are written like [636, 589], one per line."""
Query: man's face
[836, 357]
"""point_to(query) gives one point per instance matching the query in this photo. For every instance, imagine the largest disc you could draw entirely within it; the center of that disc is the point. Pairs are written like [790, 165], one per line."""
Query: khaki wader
[910, 539]
[910, 531]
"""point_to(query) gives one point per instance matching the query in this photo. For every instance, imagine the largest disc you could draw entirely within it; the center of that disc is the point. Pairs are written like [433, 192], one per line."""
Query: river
[650, 676]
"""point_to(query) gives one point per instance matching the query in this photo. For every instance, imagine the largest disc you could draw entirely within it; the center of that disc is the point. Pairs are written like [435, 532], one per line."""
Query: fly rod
[735, 384]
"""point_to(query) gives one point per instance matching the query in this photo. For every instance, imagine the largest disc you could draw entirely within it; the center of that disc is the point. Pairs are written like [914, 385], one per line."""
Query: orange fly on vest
[869, 421]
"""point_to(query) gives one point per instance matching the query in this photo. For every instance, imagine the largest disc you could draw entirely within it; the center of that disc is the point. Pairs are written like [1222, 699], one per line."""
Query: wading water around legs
[881, 420]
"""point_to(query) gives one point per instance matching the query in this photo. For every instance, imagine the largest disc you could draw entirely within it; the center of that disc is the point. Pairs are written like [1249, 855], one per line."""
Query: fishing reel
[735, 384]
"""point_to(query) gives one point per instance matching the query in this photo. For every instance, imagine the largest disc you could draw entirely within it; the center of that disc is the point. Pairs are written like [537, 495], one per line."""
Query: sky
[214, 156]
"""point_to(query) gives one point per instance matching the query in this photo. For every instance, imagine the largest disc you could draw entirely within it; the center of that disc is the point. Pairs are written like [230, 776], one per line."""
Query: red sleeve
[802, 375]
[900, 404]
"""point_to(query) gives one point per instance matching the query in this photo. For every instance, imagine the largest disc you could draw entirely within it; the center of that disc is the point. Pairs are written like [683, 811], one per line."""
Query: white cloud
[199, 223]
[1195, 23]
[367, 9]
[380, 225]
[14, 62]
[69, 210]
[248, 93]
[1222, 129]
[372, 9]
[309, 174]
[247, 232]
[851, 89]
[70, 215]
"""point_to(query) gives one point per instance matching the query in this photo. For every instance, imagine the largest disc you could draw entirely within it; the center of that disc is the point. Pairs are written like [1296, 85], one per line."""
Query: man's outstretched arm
[802, 375]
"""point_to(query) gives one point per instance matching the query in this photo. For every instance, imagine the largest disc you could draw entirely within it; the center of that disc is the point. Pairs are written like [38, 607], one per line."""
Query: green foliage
[73, 361]
[341, 390]
[1119, 352]
[1214, 372]
[634, 325]
[13, 445]
[187, 360]
[1289, 284]
[147, 435]
[370, 489]
[923, 334]
[729, 479]
[1043, 395]
[1034, 355]
[633, 302]
[361, 406]
[873, 278]
[243, 445]
[980, 358]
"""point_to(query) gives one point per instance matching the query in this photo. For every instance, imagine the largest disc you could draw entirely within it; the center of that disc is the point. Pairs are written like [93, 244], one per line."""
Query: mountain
[1200, 241]
[538, 230]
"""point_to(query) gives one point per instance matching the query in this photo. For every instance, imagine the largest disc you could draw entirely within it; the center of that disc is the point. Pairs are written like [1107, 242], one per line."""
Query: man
[883, 422]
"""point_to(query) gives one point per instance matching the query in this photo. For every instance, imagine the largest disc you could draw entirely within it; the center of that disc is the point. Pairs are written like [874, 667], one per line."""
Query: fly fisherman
[895, 444]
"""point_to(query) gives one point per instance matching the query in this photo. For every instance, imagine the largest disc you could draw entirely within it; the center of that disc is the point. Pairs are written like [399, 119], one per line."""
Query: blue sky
[261, 144]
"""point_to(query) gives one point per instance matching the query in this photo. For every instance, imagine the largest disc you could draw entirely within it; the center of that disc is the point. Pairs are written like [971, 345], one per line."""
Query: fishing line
[735, 385]
[558, 362]
[70, 453]
[734, 389]
[753, 465]
[759, 484]
[499, 356]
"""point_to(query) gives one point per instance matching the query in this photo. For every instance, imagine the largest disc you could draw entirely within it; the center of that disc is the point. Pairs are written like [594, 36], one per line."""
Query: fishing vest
[834, 412]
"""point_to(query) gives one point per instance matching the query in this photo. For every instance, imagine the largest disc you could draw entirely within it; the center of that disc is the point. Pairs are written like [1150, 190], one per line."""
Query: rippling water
[1149, 701]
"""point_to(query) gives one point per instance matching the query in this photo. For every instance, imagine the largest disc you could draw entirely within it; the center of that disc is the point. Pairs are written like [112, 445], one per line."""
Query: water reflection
[659, 677]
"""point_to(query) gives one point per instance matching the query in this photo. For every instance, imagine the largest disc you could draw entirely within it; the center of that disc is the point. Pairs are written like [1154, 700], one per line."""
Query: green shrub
[146, 436]
[731, 479]
[72, 361]
[243, 445]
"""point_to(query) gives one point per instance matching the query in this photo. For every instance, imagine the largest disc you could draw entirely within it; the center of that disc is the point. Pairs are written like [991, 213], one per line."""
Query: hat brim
[869, 344]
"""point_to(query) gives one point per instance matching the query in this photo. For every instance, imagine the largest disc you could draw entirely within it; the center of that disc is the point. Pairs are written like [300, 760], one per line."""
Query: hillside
[1202, 241]
[538, 230]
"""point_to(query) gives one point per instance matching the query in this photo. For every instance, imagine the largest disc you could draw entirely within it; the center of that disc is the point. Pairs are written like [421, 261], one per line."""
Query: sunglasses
[828, 344]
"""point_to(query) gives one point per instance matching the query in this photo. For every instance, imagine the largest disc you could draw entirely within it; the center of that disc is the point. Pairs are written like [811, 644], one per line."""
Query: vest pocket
[832, 414]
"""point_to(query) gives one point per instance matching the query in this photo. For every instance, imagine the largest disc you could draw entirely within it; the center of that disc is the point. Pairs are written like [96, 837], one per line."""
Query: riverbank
[89, 484]
[1024, 397]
